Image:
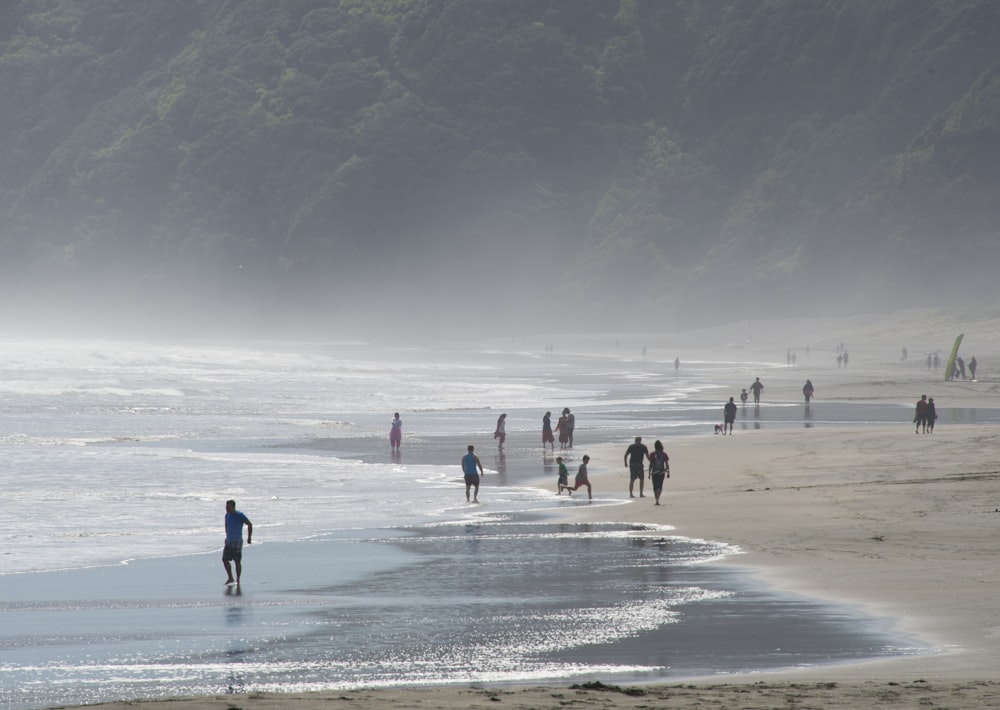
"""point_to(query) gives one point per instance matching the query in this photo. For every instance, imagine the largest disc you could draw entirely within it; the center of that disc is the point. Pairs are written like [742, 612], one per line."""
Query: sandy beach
[901, 524]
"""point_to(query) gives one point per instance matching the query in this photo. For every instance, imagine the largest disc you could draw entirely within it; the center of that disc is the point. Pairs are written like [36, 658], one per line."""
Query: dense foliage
[593, 161]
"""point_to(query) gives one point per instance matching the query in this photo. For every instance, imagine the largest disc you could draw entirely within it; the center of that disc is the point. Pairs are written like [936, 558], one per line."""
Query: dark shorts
[232, 551]
[563, 480]
[635, 473]
[658, 481]
[472, 479]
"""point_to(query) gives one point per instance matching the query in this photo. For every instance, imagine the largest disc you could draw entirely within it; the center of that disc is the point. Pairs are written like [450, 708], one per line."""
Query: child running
[563, 477]
[582, 480]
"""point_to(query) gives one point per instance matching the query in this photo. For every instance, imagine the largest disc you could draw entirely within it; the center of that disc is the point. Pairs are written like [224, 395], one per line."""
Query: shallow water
[490, 601]
[368, 568]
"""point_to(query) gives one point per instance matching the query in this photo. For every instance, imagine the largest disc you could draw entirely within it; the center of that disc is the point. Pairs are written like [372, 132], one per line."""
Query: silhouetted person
[635, 456]
[756, 388]
[501, 430]
[931, 415]
[972, 368]
[395, 432]
[232, 551]
[920, 414]
[728, 416]
[547, 437]
[808, 390]
[659, 468]
[582, 479]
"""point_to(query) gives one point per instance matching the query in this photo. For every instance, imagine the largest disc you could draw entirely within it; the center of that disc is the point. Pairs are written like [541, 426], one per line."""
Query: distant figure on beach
[744, 395]
[808, 390]
[659, 468]
[937, 361]
[920, 415]
[928, 361]
[677, 364]
[570, 425]
[582, 479]
[931, 415]
[840, 360]
[635, 456]
[547, 437]
[903, 358]
[756, 388]
[729, 416]
[845, 358]
[232, 551]
[972, 368]
[471, 467]
[501, 430]
[395, 432]
[561, 427]
[563, 477]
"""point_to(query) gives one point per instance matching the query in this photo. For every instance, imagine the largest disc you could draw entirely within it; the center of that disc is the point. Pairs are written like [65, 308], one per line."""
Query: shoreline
[890, 536]
[901, 525]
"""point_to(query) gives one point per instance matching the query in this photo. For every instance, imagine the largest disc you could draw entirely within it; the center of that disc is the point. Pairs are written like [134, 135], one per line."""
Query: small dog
[719, 428]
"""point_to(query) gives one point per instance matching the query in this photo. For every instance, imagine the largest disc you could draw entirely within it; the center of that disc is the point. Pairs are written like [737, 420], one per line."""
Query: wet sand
[902, 524]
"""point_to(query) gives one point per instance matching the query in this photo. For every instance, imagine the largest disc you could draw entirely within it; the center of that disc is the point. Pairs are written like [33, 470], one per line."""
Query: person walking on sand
[582, 479]
[972, 368]
[920, 415]
[472, 467]
[547, 437]
[501, 430]
[728, 416]
[659, 468]
[931, 415]
[395, 432]
[635, 456]
[677, 364]
[756, 388]
[563, 476]
[232, 551]
[744, 395]
[808, 390]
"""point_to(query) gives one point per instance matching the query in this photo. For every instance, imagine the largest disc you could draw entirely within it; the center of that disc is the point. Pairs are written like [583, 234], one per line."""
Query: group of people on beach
[564, 426]
[729, 408]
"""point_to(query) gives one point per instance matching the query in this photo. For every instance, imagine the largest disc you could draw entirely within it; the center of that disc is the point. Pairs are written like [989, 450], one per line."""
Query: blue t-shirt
[469, 464]
[234, 526]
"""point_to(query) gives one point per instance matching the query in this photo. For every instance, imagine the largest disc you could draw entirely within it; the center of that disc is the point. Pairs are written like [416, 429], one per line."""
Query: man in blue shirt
[233, 549]
[471, 467]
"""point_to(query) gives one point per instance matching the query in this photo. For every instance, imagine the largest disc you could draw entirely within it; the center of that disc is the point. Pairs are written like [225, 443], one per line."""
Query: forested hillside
[483, 164]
